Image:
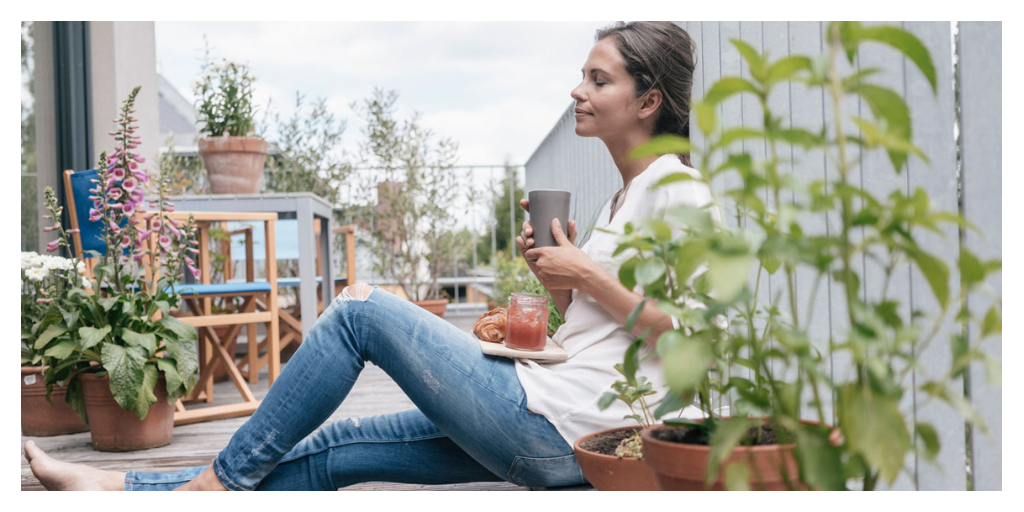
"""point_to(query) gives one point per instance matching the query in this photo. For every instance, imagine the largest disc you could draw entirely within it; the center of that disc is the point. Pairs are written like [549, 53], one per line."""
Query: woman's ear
[650, 104]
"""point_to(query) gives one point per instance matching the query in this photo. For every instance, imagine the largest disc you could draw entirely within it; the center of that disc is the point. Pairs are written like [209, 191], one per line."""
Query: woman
[478, 418]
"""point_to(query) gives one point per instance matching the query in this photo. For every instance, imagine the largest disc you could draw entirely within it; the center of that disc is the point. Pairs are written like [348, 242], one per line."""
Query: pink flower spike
[47, 229]
[139, 159]
[128, 208]
[126, 242]
[138, 256]
[43, 301]
[117, 148]
[115, 194]
[73, 231]
[133, 165]
[165, 241]
[150, 216]
[129, 184]
[157, 223]
[195, 271]
[114, 227]
[115, 206]
[118, 173]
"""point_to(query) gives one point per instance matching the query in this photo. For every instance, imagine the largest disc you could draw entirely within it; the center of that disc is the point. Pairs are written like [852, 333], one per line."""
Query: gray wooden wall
[583, 166]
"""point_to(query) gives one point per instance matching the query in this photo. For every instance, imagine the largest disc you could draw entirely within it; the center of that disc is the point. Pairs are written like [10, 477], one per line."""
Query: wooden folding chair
[197, 298]
[291, 318]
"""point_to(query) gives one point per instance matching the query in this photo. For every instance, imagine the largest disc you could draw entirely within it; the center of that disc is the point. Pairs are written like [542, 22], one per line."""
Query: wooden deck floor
[197, 444]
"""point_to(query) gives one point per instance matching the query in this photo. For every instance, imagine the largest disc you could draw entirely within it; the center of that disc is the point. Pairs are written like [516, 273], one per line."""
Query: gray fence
[584, 167]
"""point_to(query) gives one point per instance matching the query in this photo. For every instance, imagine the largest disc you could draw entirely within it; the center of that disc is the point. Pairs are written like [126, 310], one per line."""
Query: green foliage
[224, 104]
[413, 221]
[699, 274]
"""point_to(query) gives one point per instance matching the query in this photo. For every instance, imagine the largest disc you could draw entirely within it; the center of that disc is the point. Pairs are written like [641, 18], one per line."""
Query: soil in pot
[117, 430]
[40, 418]
[679, 456]
[595, 454]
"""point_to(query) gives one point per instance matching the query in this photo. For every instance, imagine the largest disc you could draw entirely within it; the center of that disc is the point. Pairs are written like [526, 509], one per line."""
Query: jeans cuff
[222, 476]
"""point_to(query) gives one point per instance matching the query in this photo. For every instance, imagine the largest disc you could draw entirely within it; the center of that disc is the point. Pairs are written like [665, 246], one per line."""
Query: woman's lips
[581, 113]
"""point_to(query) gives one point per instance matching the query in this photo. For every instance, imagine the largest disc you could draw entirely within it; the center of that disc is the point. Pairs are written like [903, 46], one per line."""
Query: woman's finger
[527, 228]
[525, 204]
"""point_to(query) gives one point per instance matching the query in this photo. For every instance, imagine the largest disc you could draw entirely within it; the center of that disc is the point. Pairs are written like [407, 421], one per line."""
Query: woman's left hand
[563, 267]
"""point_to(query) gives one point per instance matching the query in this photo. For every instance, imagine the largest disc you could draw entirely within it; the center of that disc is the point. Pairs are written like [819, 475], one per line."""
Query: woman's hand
[525, 241]
[563, 267]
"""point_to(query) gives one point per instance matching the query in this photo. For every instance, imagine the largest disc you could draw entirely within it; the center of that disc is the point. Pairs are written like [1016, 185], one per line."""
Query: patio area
[197, 444]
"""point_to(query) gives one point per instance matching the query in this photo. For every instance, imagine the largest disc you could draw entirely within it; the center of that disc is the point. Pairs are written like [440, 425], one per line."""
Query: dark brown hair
[659, 55]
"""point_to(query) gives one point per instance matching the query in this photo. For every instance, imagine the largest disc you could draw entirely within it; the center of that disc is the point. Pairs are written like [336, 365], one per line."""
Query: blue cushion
[220, 288]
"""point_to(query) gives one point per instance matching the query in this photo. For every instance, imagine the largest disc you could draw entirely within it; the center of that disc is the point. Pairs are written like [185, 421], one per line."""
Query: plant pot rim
[647, 437]
[577, 446]
[221, 137]
[431, 301]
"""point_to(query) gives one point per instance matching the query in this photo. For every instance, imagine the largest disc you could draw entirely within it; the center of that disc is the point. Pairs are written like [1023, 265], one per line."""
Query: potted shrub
[412, 240]
[233, 156]
[760, 357]
[45, 284]
[123, 358]
[612, 459]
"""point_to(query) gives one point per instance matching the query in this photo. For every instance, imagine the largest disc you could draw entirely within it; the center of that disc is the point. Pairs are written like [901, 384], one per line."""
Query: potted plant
[612, 459]
[411, 236]
[732, 346]
[124, 359]
[233, 156]
[45, 284]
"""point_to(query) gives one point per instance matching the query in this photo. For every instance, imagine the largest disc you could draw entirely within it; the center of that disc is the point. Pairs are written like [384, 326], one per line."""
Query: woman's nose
[577, 92]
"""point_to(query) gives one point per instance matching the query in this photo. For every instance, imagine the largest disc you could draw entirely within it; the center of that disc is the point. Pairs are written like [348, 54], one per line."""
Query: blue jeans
[471, 423]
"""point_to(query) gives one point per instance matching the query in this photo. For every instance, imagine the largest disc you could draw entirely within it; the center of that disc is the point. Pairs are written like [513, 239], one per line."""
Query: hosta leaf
[61, 350]
[146, 397]
[91, 336]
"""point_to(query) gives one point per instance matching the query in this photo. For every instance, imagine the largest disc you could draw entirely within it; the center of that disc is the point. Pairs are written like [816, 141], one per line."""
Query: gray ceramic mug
[546, 205]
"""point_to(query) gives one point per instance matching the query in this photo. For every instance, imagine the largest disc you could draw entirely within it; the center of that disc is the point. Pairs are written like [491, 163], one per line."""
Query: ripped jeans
[471, 423]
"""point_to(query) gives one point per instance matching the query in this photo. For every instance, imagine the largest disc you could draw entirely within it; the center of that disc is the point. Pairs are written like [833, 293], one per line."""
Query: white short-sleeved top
[566, 393]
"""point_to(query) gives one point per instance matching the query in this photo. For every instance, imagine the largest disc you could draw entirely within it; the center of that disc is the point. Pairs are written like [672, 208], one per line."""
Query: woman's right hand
[525, 239]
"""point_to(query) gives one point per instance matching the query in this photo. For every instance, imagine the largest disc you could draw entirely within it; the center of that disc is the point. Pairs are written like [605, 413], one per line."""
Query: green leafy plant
[119, 325]
[731, 345]
[224, 103]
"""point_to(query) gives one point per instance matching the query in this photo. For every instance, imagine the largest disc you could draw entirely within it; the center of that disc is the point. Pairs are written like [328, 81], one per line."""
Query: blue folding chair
[198, 296]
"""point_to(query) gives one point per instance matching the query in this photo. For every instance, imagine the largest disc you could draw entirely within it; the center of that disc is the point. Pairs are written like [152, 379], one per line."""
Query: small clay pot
[437, 307]
[234, 165]
[609, 472]
[117, 430]
[40, 418]
[683, 467]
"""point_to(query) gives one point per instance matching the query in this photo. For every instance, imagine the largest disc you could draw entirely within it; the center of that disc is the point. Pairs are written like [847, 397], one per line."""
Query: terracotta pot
[437, 307]
[234, 165]
[610, 473]
[683, 467]
[117, 430]
[41, 418]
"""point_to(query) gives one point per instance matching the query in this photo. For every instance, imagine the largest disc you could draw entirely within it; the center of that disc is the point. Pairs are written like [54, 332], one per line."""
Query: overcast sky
[497, 88]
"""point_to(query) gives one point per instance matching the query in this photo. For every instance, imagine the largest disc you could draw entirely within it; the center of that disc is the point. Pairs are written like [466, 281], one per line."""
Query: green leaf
[108, 302]
[905, 42]
[799, 137]
[631, 362]
[627, 274]
[725, 437]
[146, 340]
[785, 68]
[737, 477]
[649, 271]
[686, 363]
[707, 116]
[674, 177]
[73, 396]
[176, 387]
[820, 462]
[48, 335]
[61, 350]
[70, 318]
[726, 87]
[181, 329]
[926, 433]
[146, 397]
[662, 145]
[874, 427]
[993, 322]
[607, 400]
[689, 258]
[886, 105]
[125, 367]
[736, 134]
[91, 336]
[727, 274]
[672, 402]
[935, 272]
[634, 315]
[165, 307]
[971, 270]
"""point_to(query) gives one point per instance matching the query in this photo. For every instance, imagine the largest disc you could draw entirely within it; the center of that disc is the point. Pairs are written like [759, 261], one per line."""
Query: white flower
[36, 274]
[81, 267]
[720, 322]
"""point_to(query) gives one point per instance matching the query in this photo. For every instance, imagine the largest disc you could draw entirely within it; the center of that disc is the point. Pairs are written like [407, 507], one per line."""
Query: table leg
[307, 267]
[326, 261]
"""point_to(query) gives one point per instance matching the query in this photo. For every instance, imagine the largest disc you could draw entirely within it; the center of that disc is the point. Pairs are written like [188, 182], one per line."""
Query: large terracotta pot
[437, 307]
[683, 467]
[117, 430]
[41, 418]
[234, 165]
[610, 473]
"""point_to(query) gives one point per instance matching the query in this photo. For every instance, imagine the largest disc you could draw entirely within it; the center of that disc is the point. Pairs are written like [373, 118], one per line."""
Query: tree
[502, 215]
[412, 222]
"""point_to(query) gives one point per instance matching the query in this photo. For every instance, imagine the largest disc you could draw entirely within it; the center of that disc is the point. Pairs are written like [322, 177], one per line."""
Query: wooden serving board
[551, 352]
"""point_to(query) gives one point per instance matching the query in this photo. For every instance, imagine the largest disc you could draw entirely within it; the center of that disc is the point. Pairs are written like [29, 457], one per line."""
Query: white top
[566, 393]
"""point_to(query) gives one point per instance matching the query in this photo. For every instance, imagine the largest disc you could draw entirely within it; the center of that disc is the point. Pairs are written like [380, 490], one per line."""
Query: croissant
[491, 325]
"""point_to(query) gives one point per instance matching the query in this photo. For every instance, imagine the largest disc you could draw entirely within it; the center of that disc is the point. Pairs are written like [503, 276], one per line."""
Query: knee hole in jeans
[358, 291]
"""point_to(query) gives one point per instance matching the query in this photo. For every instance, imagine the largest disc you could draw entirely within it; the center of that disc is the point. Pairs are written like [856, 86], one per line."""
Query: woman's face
[606, 102]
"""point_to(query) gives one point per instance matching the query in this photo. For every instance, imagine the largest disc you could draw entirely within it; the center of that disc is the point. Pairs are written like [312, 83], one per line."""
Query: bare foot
[57, 475]
[205, 481]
